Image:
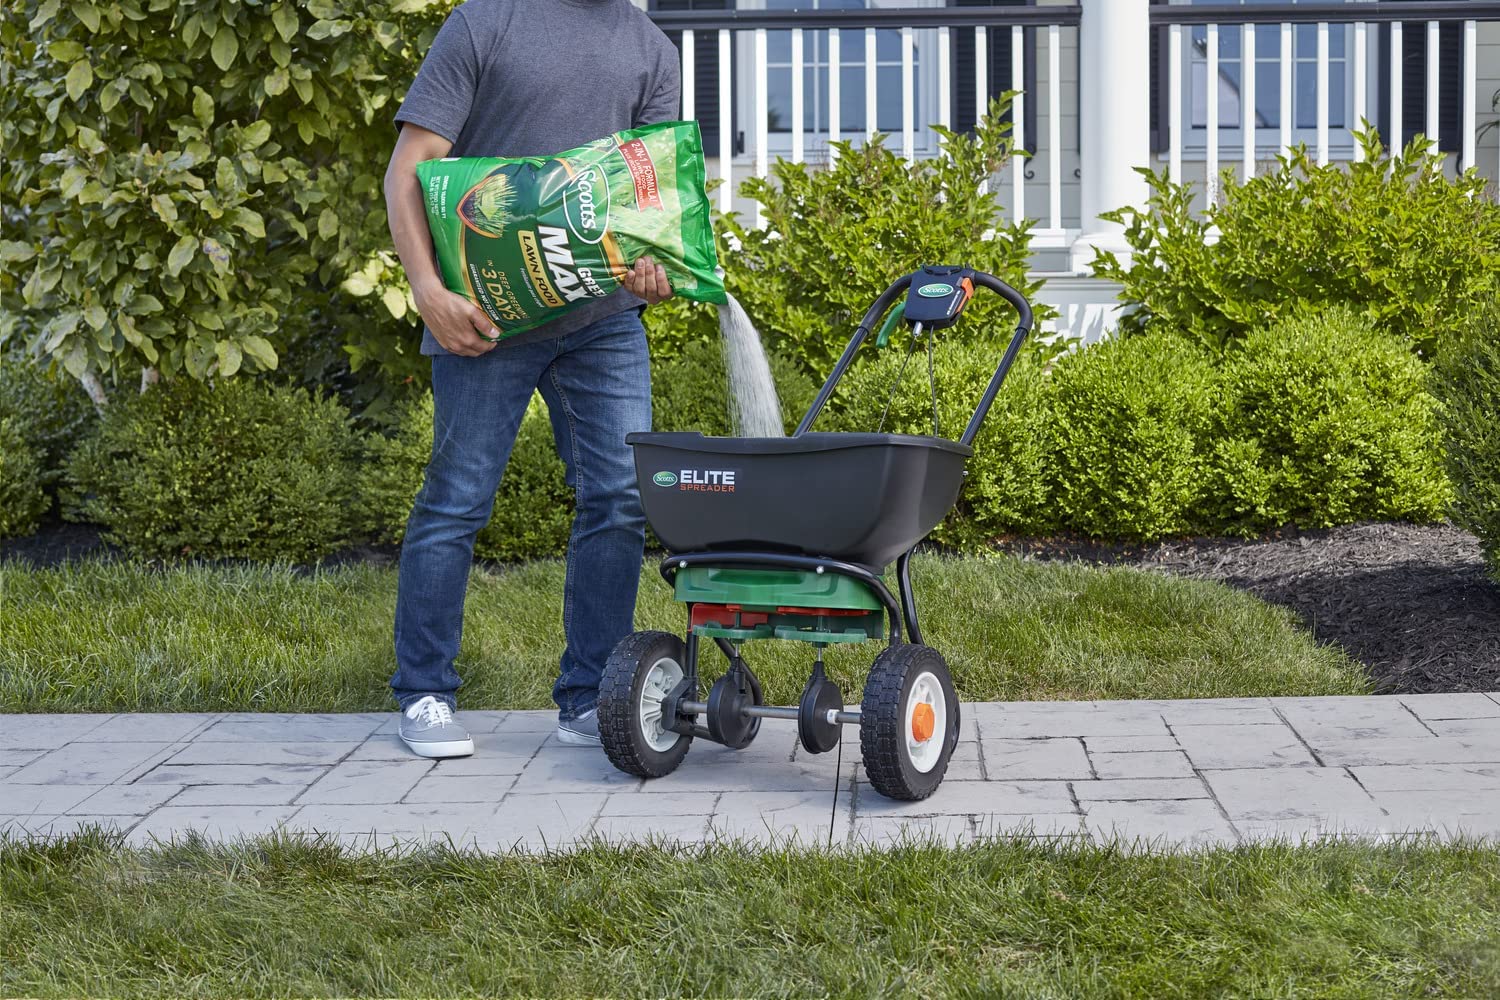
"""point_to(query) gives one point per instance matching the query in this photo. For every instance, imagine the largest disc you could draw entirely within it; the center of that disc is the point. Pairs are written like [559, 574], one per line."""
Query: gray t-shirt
[537, 77]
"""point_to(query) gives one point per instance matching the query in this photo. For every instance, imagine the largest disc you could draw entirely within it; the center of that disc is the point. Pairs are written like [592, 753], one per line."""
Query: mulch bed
[1411, 602]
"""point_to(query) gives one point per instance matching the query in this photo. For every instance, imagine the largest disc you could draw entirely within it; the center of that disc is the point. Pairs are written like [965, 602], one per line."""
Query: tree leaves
[229, 130]
[230, 356]
[249, 220]
[79, 79]
[203, 107]
[328, 224]
[285, 19]
[255, 134]
[395, 301]
[225, 47]
[260, 351]
[182, 255]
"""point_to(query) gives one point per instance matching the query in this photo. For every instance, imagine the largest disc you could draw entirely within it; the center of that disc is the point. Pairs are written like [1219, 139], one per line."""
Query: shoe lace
[431, 711]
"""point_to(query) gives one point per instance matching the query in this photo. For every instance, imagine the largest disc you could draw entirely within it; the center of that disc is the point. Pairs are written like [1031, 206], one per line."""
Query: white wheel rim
[663, 676]
[926, 690]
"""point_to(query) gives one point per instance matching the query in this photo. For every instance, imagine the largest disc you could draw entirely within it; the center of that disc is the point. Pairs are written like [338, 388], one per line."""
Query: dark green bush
[690, 392]
[1324, 420]
[1468, 384]
[22, 498]
[1128, 422]
[52, 412]
[230, 469]
[533, 508]
[1008, 483]
[1392, 238]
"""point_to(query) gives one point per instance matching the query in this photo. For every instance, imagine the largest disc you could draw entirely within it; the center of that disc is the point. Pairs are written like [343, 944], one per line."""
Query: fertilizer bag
[528, 239]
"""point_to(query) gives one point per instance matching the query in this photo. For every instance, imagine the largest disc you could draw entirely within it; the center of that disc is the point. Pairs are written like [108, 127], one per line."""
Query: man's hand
[648, 279]
[456, 323]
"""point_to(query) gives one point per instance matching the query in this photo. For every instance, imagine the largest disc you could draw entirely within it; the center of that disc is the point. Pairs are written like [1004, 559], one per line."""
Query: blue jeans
[597, 385]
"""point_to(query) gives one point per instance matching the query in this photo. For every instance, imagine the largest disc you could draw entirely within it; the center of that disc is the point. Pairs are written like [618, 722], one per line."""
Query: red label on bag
[643, 170]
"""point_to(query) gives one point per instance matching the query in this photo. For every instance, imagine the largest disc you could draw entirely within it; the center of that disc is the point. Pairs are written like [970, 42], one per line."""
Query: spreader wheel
[908, 721]
[642, 670]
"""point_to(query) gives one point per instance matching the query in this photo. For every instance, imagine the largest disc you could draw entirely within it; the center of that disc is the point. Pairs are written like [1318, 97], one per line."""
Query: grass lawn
[117, 636]
[997, 919]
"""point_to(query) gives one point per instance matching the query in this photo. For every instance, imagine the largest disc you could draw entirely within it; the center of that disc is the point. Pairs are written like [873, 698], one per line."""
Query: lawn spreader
[791, 538]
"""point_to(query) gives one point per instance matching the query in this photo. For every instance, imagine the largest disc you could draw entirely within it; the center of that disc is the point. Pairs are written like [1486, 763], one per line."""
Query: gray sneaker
[428, 729]
[580, 731]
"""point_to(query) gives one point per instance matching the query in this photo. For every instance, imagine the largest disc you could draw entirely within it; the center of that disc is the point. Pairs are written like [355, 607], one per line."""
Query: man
[524, 78]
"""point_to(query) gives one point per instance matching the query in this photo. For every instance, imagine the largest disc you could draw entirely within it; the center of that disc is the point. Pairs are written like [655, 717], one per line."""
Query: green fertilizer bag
[530, 238]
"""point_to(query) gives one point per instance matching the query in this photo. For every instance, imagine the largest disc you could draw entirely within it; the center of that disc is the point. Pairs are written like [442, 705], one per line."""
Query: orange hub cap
[923, 722]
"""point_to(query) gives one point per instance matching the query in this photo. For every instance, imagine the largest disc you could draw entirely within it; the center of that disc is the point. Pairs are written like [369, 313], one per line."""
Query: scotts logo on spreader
[586, 205]
[934, 290]
[698, 480]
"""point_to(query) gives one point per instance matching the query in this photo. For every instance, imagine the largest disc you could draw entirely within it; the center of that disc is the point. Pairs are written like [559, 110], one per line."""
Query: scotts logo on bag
[586, 205]
[530, 238]
[934, 290]
[665, 479]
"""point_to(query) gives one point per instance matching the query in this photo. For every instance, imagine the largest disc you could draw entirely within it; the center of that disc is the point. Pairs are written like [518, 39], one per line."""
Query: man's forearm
[408, 220]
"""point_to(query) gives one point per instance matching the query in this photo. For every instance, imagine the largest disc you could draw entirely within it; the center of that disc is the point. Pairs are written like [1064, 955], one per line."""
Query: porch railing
[1135, 65]
[1430, 18]
[856, 30]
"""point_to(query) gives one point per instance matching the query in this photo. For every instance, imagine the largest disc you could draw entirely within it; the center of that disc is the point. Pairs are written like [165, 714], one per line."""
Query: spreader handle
[878, 310]
[847, 358]
[1023, 327]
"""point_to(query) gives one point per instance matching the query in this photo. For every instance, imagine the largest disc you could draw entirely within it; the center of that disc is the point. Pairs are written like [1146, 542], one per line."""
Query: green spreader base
[740, 604]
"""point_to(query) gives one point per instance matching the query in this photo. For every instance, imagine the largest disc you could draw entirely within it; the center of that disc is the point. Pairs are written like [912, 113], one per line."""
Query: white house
[1108, 85]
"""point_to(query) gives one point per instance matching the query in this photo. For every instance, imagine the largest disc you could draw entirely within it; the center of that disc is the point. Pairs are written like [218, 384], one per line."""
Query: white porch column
[1114, 98]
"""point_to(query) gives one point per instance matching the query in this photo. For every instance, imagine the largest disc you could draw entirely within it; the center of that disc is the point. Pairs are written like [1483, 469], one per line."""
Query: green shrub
[22, 499]
[1468, 383]
[834, 238]
[52, 412]
[191, 184]
[533, 511]
[1392, 238]
[1324, 420]
[1128, 422]
[1008, 483]
[228, 469]
[690, 390]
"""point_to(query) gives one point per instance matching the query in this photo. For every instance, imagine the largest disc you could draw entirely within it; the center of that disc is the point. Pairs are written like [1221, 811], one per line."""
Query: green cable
[891, 319]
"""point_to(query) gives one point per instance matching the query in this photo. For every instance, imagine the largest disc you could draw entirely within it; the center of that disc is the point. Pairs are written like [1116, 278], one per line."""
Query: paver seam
[1420, 721]
[1208, 786]
[1073, 795]
[1355, 778]
[296, 799]
[150, 764]
[1305, 745]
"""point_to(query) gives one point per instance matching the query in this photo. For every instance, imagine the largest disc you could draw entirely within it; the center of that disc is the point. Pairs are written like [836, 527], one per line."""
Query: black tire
[625, 673]
[882, 731]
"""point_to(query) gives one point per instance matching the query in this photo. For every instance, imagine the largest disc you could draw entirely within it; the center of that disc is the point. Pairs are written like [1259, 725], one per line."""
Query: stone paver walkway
[1179, 773]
